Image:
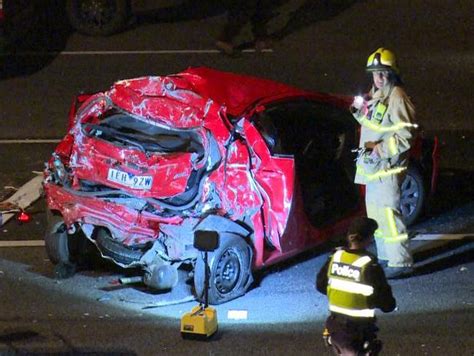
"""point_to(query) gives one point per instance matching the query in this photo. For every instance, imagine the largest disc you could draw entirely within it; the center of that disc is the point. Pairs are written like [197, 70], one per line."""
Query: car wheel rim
[97, 12]
[409, 196]
[227, 272]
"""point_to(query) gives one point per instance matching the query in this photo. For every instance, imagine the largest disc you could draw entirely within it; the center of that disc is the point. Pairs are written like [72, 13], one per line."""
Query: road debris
[237, 314]
[21, 199]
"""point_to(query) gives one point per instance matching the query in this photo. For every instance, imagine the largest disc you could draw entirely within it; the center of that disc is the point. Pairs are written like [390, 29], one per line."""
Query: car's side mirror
[206, 240]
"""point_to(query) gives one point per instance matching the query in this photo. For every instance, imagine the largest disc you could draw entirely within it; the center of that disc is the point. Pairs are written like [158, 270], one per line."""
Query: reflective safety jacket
[387, 120]
[355, 284]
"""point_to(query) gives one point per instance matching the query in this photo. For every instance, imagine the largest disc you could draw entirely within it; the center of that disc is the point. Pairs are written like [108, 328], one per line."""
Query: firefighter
[386, 117]
[355, 285]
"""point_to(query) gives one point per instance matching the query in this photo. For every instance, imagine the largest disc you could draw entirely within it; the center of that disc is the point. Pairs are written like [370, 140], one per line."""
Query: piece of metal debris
[21, 199]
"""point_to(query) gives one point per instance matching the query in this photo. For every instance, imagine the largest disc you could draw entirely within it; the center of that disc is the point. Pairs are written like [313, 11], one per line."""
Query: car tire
[412, 195]
[56, 239]
[118, 252]
[98, 17]
[230, 273]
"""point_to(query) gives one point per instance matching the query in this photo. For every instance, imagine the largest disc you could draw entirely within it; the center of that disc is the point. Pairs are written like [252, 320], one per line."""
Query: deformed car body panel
[91, 158]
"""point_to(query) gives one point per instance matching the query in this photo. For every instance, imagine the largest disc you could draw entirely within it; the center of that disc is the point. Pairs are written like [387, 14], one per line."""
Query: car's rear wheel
[66, 249]
[230, 272]
[56, 239]
[98, 17]
[413, 195]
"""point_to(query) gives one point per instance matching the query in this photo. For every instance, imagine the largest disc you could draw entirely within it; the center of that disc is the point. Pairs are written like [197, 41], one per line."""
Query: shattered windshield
[127, 131]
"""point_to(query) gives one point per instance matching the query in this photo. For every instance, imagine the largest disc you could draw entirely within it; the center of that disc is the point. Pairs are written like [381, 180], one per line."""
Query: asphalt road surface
[315, 47]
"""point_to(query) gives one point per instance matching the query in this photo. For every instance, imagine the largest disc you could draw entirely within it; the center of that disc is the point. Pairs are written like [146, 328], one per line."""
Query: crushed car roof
[190, 91]
[236, 91]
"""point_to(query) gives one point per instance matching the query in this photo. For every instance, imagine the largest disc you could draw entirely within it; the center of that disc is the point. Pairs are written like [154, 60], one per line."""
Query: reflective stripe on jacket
[387, 120]
[347, 290]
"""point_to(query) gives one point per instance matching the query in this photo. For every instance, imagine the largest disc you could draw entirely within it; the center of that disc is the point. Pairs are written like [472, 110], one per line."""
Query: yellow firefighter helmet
[382, 59]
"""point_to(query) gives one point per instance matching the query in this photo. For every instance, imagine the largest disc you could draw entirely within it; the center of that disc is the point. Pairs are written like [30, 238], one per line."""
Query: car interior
[320, 138]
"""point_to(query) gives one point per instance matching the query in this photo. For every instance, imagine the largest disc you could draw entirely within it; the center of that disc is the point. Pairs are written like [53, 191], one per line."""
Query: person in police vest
[386, 117]
[355, 285]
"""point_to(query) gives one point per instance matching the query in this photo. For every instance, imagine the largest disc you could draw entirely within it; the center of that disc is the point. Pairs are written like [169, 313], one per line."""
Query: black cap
[363, 226]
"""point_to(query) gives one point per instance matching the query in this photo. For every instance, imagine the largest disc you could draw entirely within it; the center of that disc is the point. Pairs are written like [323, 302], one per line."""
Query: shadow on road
[448, 255]
[183, 11]
[20, 342]
[451, 208]
[296, 14]
[31, 28]
[455, 189]
[310, 12]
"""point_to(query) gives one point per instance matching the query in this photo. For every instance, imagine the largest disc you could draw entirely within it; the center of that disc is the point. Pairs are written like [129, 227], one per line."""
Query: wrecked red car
[150, 161]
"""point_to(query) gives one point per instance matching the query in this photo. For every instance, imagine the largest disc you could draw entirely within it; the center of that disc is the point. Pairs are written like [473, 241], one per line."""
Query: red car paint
[101, 176]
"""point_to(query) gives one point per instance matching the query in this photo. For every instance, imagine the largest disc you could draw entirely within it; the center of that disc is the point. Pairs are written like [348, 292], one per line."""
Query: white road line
[138, 52]
[437, 237]
[15, 141]
[22, 243]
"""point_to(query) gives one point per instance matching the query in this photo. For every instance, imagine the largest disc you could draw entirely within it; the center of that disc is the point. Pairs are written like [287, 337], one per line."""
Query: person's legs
[345, 338]
[383, 200]
[372, 209]
[259, 20]
[239, 13]
[395, 232]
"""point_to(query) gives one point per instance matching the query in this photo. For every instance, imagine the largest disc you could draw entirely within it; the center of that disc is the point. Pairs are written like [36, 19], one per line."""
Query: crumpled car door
[275, 176]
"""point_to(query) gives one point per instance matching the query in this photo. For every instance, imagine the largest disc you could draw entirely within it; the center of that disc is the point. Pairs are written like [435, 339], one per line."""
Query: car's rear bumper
[133, 226]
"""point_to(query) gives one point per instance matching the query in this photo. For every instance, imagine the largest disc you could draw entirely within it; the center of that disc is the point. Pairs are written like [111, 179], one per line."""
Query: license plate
[129, 179]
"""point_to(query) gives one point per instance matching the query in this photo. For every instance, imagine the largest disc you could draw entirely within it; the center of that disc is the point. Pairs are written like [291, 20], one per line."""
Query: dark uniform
[258, 12]
[355, 285]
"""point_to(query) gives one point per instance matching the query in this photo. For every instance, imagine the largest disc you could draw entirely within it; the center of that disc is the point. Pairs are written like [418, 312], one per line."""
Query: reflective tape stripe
[337, 256]
[364, 313]
[391, 222]
[380, 174]
[362, 261]
[395, 235]
[370, 125]
[398, 238]
[351, 287]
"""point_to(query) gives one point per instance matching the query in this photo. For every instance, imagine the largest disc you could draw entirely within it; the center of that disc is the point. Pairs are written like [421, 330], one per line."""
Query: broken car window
[127, 131]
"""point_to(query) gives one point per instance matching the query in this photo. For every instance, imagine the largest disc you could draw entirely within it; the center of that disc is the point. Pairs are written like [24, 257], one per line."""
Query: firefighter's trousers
[383, 205]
